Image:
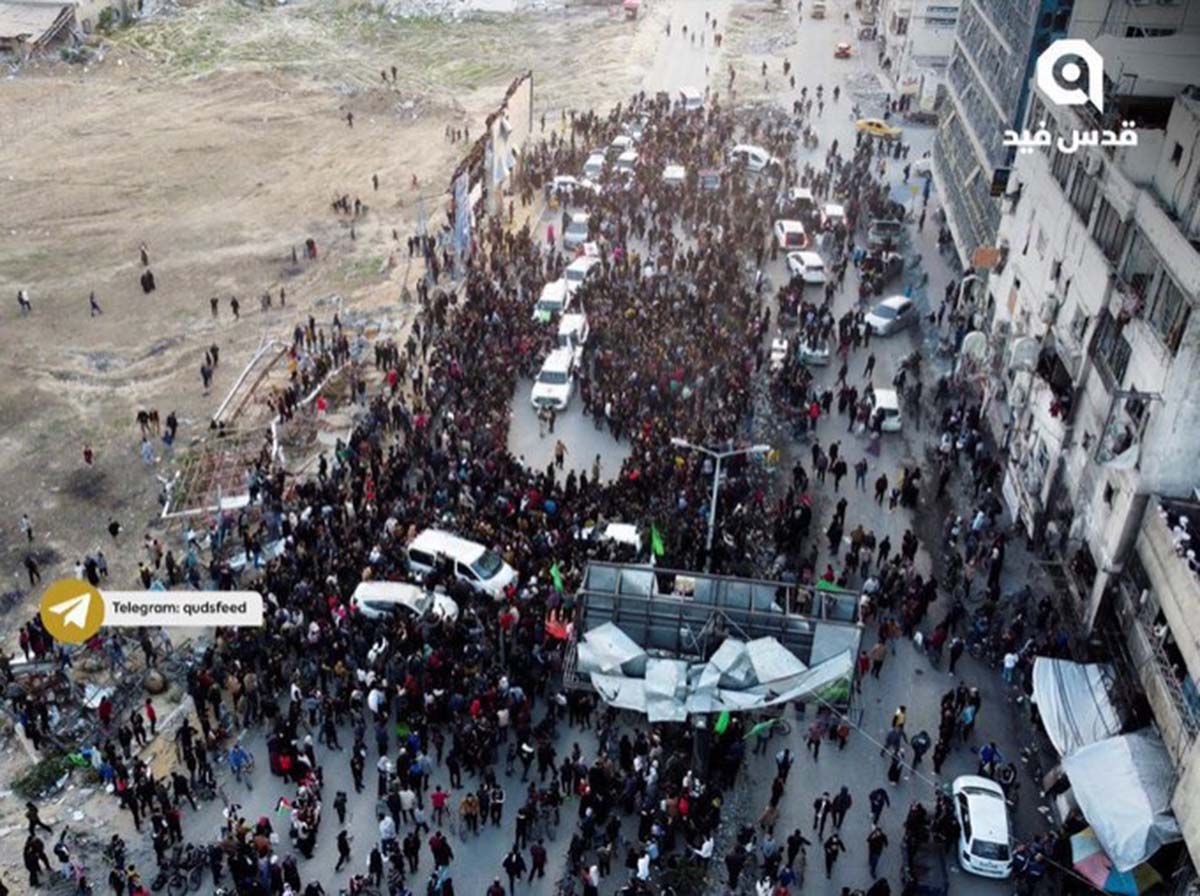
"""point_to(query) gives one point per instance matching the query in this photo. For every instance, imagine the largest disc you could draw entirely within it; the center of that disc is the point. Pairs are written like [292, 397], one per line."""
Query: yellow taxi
[877, 127]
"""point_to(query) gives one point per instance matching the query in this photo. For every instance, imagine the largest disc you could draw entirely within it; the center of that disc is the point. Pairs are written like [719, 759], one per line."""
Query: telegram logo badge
[72, 611]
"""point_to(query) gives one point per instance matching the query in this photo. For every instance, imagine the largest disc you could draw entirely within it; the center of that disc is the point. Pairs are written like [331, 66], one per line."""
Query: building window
[1177, 154]
[1109, 230]
[1144, 31]
[1110, 350]
[1060, 168]
[1141, 264]
[1169, 313]
[1083, 191]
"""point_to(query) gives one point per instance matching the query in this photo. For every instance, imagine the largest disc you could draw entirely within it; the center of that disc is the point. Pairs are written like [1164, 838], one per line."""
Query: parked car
[790, 234]
[579, 270]
[674, 175]
[983, 840]
[710, 180]
[892, 315]
[877, 127]
[884, 233]
[799, 202]
[691, 98]
[576, 233]
[573, 333]
[819, 9]
[384, 600]
[779, 350]
[626, 534]
[555, 382]
[815, 354]
[808, 266]
[622, 143]
[555, 298]
[753, 158]
[627, 162]
[842, 51]
[832, 214]
[595, 164]
[474, 564]
[887, 406]
[889, 265]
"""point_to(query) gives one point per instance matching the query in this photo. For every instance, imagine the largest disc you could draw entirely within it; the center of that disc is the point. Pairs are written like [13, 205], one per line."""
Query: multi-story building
[997, 43]
[918, 38]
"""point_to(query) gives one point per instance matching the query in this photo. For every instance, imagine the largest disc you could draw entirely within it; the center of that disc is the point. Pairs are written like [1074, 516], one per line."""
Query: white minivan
[473, 564]
[573, 334]
[555, 382]
[554, 299]
[384, 600]
[578, 271]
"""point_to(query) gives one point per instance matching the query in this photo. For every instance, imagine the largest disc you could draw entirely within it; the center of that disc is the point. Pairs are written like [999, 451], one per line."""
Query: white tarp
[621, 692]
[831, 640]
[1073, 702]
[666, 686]
[1123, 786]
[772, 661]
[611, 648]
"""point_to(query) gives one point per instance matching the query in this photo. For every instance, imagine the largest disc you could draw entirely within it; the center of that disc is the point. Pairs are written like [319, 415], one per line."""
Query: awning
[1073, 702]
[1123, 786]
[1089, 859]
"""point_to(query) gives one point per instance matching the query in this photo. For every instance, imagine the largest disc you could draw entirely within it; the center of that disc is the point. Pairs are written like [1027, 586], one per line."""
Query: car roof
[621, 140]
[985, 801]
[559, 359]
[896, 302]
[691, 91]
[674, 172]
[596, 155]
[808, 258]
[392, 592]
[555, 288]
[886, 398]
[580, 217]
[569, 323]
[789, 226]
[800, 193]
[583, 262]
[439, 541]
[833, 208]
[629, 155]
[749, 147]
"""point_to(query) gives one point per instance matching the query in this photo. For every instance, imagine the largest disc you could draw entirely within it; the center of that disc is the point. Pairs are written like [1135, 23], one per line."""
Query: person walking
[822, 806]
[343, 847]
[93, 305]
[879, 800]
[514, 867]
[833, 846]
[877, 840]
[840, 806]
[26, 527]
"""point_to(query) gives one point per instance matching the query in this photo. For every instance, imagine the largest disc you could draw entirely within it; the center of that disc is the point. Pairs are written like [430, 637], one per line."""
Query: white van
[573, 334]
[555, 381]
[578, 271]
[554, 298]
[474, 564]
[887, 404]
[576, 233]
[627, 162]
[594, 166]
[692, 98]
[384, 600]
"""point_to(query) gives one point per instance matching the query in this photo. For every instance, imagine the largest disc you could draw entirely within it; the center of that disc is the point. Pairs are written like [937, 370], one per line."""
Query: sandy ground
[217, 135]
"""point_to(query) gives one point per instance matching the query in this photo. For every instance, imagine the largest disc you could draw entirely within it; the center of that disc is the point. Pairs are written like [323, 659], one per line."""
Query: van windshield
[986, 849]
[552, 377]
[487, 566]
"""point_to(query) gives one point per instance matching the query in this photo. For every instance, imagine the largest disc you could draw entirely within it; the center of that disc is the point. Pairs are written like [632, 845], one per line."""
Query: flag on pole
[722, 722]
[556, 575]
[283, 805]
[760, 728]
[656, 541]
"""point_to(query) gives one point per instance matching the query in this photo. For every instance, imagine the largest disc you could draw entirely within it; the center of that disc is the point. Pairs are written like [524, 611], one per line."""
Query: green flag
[656, 541]
[760, 728]
[556, 575]
[722, 722]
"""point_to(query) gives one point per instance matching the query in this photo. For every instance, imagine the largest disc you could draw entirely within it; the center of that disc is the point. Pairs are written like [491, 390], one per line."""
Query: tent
[1123, 786]
[1073, 702]
[1089, 859]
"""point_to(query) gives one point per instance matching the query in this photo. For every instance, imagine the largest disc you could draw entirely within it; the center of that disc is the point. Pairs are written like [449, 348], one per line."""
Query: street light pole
[717, 457]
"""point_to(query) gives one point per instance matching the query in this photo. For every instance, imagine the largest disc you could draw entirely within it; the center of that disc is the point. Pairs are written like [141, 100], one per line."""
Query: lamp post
[717, 457]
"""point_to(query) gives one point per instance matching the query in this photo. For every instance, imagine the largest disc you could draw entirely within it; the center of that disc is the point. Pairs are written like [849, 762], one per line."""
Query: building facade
[996, 46]
[918, 39]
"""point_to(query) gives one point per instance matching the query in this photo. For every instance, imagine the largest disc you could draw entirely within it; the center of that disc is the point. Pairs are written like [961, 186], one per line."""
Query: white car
[566, 184]
[808, 266]
[798, 201]
[779, 350]
[594, 166]
[576, 233]
[627, 162]
[555, 297]
[790, 235]
[578, 271]
[674, 175]
[619, 533]
[573, 334]
[622, 143]
[983, 841]
[891, 315]
[383, 600]
[887, 406]
[480, 568]
[691, 98]
[754, 158]
[832, 214]
[555, 382]
[815, 354]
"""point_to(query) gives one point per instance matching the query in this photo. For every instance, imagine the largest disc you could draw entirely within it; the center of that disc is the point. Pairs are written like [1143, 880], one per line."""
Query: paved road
[908, 679]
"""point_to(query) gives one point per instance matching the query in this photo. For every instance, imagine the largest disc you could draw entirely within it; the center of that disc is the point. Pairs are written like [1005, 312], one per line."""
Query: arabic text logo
[72, 611]
[1071, 73]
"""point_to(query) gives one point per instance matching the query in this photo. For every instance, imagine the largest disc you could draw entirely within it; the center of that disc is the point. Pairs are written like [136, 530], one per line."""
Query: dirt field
[217, 135]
